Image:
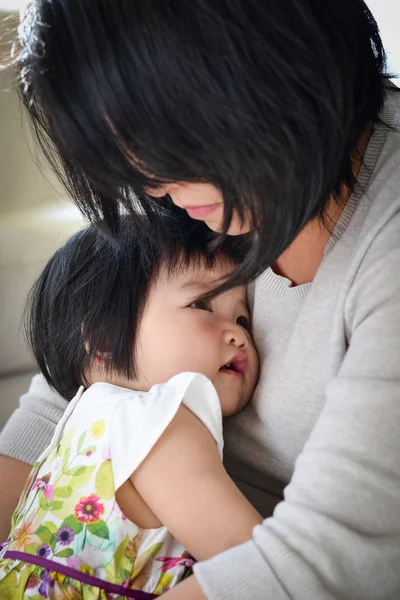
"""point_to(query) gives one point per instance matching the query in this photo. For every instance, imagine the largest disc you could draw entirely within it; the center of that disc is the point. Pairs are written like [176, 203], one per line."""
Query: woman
[272, 118]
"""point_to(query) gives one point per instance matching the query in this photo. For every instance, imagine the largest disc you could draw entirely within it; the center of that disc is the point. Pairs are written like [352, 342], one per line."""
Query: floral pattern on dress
[68, 513]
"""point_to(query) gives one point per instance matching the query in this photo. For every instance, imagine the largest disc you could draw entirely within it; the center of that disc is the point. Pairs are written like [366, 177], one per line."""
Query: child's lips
[236, 367]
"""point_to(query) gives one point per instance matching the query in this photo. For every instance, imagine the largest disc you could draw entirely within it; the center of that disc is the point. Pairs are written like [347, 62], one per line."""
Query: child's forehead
[199, 273]
[197, 279]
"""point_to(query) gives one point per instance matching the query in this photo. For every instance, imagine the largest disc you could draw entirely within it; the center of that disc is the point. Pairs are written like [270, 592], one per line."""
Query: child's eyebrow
[200, 285]
[195, 283]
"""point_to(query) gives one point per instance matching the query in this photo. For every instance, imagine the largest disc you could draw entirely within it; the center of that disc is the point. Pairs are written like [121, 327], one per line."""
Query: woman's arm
[13, 474]
[24, 437]
[186, 486]
[337, 533]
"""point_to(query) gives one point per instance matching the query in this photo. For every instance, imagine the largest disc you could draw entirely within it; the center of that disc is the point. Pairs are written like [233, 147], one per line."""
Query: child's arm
[186, 486]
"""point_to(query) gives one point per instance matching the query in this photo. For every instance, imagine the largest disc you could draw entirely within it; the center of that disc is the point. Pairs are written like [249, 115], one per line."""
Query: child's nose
[236, 336]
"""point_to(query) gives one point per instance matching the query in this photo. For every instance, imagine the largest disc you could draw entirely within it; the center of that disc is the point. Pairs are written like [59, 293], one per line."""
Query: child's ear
[100, 357]
[86, 343]
[103, 356]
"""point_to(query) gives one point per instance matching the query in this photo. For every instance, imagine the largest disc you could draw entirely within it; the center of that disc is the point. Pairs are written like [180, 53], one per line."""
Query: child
[132, 485]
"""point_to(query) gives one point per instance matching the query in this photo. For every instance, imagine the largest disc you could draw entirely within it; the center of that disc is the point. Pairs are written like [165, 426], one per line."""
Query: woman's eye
[201, 305]
[243, 322]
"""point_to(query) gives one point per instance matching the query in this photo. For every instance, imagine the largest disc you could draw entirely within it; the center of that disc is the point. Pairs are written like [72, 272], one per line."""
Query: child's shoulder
[132, 421]
[139, 421]
[192, 389]
[101, 392]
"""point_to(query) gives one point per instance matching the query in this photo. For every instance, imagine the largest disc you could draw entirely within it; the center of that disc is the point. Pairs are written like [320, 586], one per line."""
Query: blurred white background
[387, 14]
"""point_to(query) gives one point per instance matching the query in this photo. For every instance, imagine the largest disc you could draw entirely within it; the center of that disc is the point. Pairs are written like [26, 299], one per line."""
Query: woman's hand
[189, 589]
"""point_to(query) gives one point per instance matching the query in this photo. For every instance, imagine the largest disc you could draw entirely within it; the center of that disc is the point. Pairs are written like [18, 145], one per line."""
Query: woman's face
[203, 202]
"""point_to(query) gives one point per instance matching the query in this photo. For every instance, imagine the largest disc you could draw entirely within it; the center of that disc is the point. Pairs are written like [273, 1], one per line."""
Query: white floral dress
[69, 539]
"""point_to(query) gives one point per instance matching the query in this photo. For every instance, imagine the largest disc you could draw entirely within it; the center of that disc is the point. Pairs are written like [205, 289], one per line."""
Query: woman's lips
[200, 212]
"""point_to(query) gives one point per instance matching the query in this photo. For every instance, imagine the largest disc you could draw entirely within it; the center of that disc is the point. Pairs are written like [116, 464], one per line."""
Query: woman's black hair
[265, 100]
[90, 297]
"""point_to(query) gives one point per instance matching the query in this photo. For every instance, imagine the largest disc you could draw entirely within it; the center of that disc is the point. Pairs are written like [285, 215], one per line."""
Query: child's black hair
[266, 100]
[93, 291]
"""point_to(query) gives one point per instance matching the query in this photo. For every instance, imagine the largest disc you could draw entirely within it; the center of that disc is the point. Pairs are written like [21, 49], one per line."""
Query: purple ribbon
[52, 565]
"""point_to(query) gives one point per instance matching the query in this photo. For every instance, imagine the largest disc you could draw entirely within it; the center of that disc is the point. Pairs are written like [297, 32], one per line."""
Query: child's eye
[201, 305]
[243, 322]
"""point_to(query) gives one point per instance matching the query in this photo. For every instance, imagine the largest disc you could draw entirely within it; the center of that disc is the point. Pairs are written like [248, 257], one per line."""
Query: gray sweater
[318, 449]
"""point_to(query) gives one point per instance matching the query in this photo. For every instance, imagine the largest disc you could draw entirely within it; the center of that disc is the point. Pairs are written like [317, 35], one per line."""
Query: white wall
[21, 182]
[387, 14]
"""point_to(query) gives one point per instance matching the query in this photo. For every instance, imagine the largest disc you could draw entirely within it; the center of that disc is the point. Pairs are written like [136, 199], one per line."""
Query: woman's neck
[302, 259]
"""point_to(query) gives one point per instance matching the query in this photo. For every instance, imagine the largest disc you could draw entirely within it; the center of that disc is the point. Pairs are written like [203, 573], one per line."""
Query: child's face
[180, 334]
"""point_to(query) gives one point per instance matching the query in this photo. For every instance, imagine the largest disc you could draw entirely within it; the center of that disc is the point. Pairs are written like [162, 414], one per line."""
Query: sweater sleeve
[30, 428]
[336, 534]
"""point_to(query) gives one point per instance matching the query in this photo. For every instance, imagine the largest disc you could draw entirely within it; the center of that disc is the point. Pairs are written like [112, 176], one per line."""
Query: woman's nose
[177, 192]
